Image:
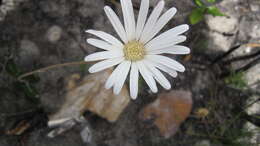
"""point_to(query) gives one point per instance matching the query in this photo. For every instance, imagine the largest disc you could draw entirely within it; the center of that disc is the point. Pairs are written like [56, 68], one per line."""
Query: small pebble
[54, 33]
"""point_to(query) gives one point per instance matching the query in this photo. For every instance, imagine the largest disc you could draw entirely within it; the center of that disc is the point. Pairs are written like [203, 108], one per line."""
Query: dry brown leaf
[90, 95]
[168, 111]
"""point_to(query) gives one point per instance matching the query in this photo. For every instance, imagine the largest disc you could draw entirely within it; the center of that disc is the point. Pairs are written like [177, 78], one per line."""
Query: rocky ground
[222, 85]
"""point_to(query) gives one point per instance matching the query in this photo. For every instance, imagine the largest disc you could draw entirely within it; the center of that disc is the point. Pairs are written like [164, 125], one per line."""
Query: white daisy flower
[139, 48]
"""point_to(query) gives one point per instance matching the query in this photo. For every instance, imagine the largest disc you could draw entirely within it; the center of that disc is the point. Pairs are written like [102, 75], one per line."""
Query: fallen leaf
[168, 111]
[72, 81]
[91, 95]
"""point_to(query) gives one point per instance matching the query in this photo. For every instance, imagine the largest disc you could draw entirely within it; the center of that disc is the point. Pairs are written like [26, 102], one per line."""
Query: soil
[27, 44]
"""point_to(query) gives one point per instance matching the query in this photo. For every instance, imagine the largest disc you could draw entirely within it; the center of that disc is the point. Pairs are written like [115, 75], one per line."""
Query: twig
[252, 92]
[219, 58]
[250, 104]
[249, 65]
[50, 67]
[254, 119]
[242, 69]
[239, 58]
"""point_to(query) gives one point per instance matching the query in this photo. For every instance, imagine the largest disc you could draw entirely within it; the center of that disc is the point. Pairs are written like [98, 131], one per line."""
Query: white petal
[166, 69]
[113, 77]
[141, 18]
[166, 61]
[104, 55]
[102, 44]
[170, 33]
[129, 19]
[177, 49]
[152, 20]
[148, 77]
[121, 77]
[160, 78]
[105, 64]
[132, 20]
[105, 36]
[126, 21]
[162, 21]
[165, 43]
[116, 23]
[134, 75]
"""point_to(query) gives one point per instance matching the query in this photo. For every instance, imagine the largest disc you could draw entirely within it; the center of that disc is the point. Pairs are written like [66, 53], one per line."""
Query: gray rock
[255, 6]
[253, 77]
[222, 24]
[255, 131]
[218, 41]
[249, 29]
[222, 29]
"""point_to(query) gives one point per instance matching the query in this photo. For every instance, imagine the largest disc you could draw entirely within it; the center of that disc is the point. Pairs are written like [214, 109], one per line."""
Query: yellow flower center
[134, 51]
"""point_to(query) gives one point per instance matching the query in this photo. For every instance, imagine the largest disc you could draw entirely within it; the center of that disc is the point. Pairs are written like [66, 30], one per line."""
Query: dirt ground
[39, 33]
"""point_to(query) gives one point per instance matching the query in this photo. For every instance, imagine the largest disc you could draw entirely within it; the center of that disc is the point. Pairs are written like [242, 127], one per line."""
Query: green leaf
[197, 15]
[214, 11]
[12, 69]
[199, 3]
[211, 1]
[32, 79]
[27, 89]
[237, 80]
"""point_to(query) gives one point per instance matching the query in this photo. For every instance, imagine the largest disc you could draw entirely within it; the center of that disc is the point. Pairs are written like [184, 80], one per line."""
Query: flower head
[139, 48]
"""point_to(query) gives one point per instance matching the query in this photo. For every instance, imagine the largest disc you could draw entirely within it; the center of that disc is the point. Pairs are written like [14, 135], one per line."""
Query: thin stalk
[50, 67]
